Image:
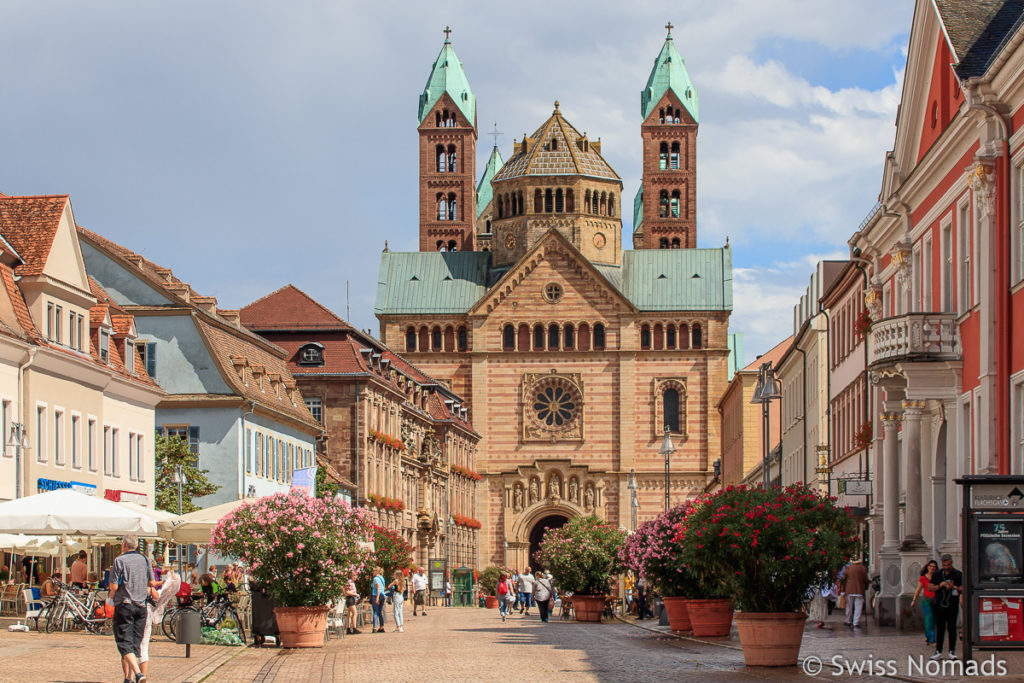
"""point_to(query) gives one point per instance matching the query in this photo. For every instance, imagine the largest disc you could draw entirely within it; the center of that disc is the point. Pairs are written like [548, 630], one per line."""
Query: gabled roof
[431, 282]
[774, 355]
[668, 73]
[447, 76]
[484, 191]
[30, 224]
[556, 148]
[678, 279]
[977, 30]
[289, 308]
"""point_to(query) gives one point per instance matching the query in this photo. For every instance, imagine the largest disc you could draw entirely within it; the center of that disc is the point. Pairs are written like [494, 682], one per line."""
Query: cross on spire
[447, 32]
[495, 134]
[669, 27]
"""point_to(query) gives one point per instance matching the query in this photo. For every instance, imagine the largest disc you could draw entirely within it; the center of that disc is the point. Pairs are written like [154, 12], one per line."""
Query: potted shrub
[302, 549]
[489, 586]
[767, 547]
[583, 555]
[653, 551]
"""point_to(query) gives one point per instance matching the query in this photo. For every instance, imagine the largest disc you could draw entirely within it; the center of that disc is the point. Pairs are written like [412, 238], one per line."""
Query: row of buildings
[905, 370]
[101, 350]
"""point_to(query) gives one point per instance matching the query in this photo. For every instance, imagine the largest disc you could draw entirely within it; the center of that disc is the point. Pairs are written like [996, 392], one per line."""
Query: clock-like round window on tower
[510, 241]
[552, 292]
[600, 240]
[556, 404]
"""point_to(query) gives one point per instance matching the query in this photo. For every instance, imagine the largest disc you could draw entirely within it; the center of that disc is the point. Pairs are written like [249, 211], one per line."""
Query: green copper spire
[669, 72]
[447, 76]
[484, 191]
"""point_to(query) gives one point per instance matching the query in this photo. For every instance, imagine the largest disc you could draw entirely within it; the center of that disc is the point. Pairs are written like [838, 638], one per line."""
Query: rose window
[556, 404]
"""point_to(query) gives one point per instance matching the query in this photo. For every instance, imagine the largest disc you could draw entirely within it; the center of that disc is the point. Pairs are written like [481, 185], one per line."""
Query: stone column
[891, 480]
[912, 411]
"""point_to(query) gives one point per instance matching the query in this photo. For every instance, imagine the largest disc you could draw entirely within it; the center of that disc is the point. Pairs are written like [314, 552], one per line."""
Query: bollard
[187, 630]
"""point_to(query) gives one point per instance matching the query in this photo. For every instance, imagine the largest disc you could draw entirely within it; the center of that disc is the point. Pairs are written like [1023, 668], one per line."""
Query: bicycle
[67, 607]
[216, 614]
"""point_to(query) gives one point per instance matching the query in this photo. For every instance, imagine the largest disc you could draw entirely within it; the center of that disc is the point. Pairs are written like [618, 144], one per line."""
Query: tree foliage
[170, 453]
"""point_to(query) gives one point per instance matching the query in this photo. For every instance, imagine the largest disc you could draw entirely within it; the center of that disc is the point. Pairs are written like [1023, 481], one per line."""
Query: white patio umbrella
[69, 513]
[195, 527]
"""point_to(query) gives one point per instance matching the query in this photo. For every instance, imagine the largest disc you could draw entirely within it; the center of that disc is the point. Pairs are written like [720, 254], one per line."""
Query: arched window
[554, 144]
[522, 207]
[663, 156]
[442, 208]
[513, 201]
[645, 337]
[440, 245]
[453, 165]
[523, 341]
[488, 227]
[453, 214]
[538, 337]
[604, 202]
[538, 201]
[568, 336]
[442, 159]
[549, 201]
[559, 201]
[410, 339]
[674, 157]
[449, 339]
[670, 337]
[697, 340]
[599, 337]
[674, 204]
[424, 344]
[452, 245]
[611, 204]
[501, 206]
[553, 337]
[584, 337]
[508, 338]
[659, 337]
[663, 204]
[675, 119]
[435, 339]
[311, 354]
[437, 119]
[675, 243]
[586, 202]
[684, 336]
[663, 243]
[570, 201]
[661, 115]
[670, 409]
[463, 339]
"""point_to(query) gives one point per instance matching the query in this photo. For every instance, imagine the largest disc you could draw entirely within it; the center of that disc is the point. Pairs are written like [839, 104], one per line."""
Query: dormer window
[104, 346]
[129, 356]
[311, 354]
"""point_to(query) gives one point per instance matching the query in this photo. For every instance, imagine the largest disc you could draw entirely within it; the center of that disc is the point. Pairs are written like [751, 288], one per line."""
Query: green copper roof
[431, 281]
[638, 209]
[484, 192]
[447, 76]
[669, 72]
[652, 279]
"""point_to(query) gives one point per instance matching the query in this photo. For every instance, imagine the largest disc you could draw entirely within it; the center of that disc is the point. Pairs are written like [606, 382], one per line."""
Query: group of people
[383, 593]
[941, 591]
[520, 591]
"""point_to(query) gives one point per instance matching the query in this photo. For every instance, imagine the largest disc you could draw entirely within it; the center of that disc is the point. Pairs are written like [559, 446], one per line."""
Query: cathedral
[574, 355]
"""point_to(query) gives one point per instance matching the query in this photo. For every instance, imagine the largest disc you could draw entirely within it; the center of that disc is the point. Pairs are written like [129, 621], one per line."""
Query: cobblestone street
[456, 645]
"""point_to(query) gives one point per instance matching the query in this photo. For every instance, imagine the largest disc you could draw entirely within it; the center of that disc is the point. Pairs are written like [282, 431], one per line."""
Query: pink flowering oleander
[582, 555]
[283, 536]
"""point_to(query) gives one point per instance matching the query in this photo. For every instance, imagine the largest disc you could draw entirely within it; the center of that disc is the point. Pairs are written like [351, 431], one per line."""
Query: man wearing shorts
[525, 592]
[130, 581]
[419, 592]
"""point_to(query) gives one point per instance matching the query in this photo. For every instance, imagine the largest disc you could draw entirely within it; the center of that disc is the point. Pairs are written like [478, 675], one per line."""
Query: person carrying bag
[543, 592]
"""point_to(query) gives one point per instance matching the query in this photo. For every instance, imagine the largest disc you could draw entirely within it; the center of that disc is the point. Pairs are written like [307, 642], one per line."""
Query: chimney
[232, 315]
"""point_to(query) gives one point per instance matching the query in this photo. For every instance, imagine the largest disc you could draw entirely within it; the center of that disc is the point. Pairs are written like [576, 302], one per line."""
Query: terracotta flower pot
[302, 626]
[490, 601]
[710, 618]
[588, 607]
[678, 615]
[771, 638]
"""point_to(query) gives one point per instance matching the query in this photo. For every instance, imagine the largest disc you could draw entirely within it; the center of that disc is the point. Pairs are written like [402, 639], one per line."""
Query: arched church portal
[537, 535]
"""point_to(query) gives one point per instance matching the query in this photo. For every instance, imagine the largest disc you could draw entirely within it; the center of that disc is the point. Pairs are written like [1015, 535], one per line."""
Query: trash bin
[187, 630]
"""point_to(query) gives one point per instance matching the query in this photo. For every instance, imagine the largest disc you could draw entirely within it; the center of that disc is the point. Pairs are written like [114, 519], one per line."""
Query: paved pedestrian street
[459, 645]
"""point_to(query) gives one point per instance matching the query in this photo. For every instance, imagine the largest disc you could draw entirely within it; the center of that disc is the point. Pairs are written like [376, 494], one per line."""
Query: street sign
[858, 487]
[997, 496]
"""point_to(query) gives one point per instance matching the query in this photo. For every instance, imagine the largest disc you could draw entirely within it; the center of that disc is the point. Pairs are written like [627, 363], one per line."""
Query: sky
[251, 144]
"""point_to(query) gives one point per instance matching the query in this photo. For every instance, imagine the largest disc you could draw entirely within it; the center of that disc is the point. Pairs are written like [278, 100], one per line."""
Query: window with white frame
[108, 466]
[58, 436]
[58, 317]
[963, 276]
[72, 329]
[5, 417]
[79, 324]
[886, 300]
[41, 433]
[248, 450]
[49, 321]
[1018, 229]
[104, 346]
[316, 408]
[140, 471]
[926, 274]
[916, 274]
[90, 444]
[976, 251]
[947, 265]
[115, 451]
[76, 441]
[129, 356]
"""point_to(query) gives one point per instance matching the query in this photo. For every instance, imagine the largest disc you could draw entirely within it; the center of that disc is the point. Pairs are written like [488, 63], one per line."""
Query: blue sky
[250, 144]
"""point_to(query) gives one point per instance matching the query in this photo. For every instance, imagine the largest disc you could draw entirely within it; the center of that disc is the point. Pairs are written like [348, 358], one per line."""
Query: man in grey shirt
[526, 591]
[130, 581]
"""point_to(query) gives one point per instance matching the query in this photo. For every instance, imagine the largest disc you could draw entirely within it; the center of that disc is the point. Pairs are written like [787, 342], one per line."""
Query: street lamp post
[634, 503]
[18, 443]
[667, 449]
[768, 389]
[504, 561]
[179, 479]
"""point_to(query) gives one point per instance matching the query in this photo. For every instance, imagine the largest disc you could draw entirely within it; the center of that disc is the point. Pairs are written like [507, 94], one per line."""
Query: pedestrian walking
[419, 592]
[948, 584]
[130, 581]
[855, 582]
[513, 578]
[503, 594]
[525, 592]
[351, 600]
[543, 593]
[378, 599]
[642, 610]
[927, 596]
[817, 605]
[397, 589]
[170, 582]
[447, 593]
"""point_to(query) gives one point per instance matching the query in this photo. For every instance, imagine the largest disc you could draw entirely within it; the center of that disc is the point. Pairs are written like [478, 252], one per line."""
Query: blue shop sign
[43, 485]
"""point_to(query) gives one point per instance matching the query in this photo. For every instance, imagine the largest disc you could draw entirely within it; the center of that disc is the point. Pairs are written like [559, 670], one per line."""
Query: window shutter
[193, 439]
[151, 359]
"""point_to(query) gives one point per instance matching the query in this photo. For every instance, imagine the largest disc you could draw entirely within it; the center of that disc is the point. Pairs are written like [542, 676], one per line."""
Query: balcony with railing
[915, 337]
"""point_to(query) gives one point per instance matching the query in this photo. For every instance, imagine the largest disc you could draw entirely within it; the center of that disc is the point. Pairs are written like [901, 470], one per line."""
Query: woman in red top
[503, 595]
[926, 599]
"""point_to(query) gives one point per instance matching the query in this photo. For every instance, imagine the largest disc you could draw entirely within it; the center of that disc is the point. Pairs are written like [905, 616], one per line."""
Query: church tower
[447, 128]
[665, 208]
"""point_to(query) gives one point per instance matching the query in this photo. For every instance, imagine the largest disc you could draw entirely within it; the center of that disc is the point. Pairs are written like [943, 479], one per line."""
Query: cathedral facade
[574, 355]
